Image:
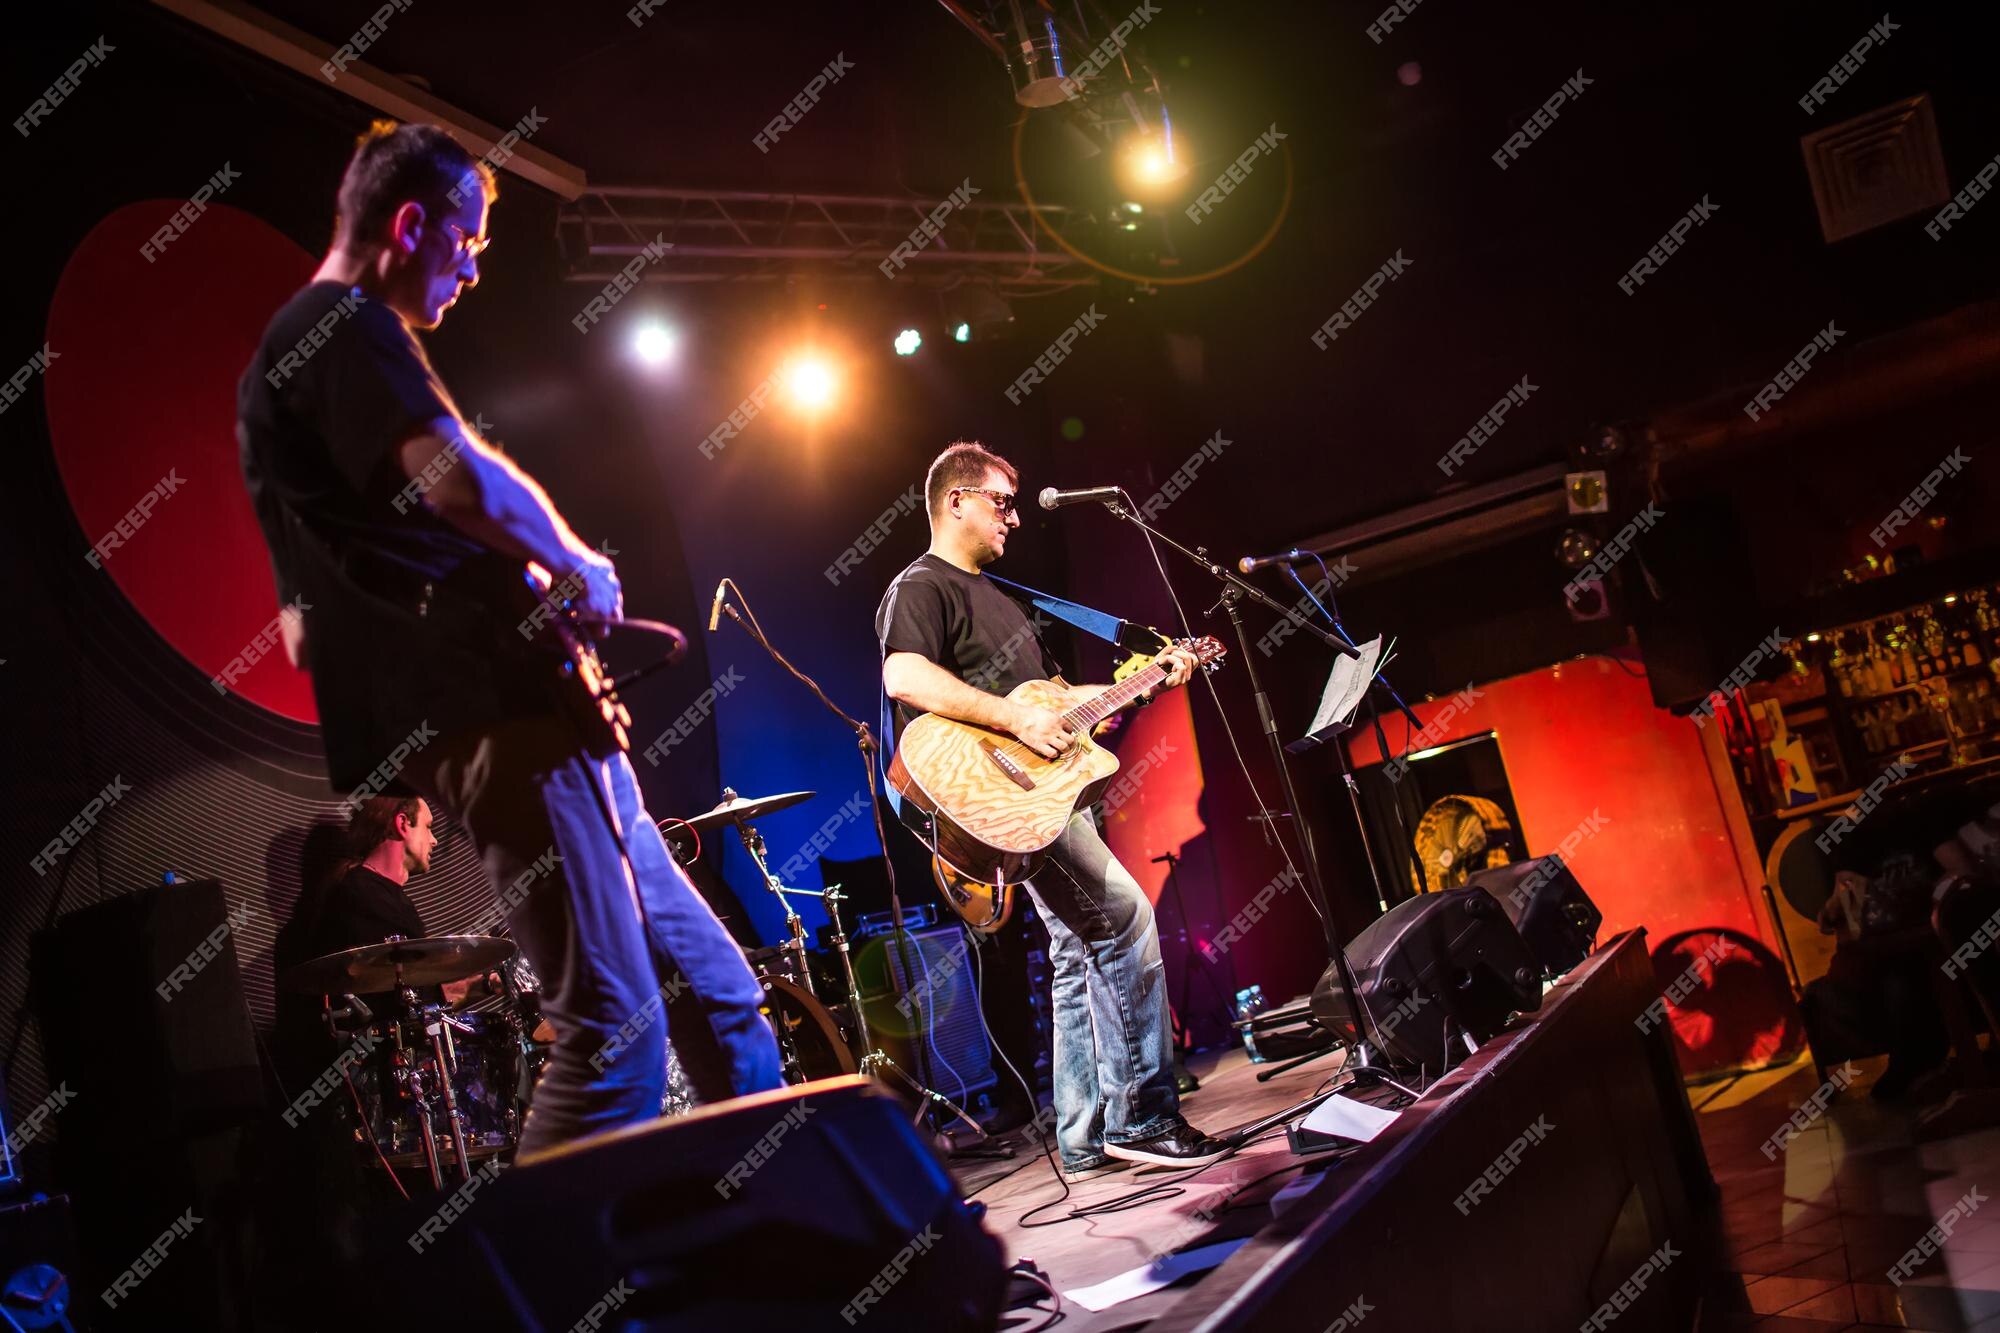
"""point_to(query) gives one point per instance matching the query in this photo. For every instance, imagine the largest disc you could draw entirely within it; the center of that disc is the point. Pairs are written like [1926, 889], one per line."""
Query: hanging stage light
[810, 382]
[654, 343]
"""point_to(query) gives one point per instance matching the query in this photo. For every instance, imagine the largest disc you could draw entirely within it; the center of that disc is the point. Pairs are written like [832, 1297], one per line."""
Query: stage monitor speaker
[814, 1207]
[1550, 909]
[178, 1056]
[1433, 967]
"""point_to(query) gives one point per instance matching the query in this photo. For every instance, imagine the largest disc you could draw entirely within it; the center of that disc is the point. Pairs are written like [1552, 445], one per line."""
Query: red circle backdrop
[144, 385]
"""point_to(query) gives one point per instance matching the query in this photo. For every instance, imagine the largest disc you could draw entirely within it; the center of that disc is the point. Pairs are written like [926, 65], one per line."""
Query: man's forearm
[927, 687]
[516, 507]
[482, 494]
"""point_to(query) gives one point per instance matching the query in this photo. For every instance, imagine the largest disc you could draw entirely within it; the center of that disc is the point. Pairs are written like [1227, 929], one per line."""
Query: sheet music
[1345, 685]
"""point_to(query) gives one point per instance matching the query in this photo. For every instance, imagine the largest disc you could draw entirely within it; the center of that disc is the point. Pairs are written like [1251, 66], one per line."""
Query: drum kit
[439, 1086]
[445, 1087]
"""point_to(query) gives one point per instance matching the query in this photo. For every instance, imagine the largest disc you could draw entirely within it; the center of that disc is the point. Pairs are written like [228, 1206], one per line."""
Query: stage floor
[1234, 1195]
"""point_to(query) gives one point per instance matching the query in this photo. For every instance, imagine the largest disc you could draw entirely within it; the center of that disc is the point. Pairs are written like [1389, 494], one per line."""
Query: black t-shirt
[966, 623]
[361, 907]
[337, 385]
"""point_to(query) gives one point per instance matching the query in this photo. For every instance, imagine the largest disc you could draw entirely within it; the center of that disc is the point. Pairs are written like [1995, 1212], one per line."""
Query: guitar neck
[1087, 715]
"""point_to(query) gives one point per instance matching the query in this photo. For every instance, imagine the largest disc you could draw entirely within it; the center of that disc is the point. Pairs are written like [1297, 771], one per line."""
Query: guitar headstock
[1208, 651]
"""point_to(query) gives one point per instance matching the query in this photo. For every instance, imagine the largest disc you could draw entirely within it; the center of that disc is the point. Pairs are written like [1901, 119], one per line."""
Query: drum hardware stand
[873, 1060]
[441, 1058]
[753, 843]
[870, 747]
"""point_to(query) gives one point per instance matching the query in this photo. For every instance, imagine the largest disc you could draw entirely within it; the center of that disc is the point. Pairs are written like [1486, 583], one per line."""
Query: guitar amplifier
[928, 1019]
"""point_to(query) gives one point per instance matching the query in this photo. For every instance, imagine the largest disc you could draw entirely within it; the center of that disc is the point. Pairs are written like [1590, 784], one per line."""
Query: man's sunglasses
[468, 246]
[1003, 501]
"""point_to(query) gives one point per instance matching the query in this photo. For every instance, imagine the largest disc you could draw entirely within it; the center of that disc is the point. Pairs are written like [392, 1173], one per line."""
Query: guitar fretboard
[1087, 715]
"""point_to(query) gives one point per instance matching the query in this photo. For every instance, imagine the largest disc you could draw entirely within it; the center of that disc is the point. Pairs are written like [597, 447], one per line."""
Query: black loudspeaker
[1690, 595]
[38, 1270]
[1550, 909]
[142, 1015]
[1433, 967]
[144, 1024]
[815, 1207]
[935, 1007]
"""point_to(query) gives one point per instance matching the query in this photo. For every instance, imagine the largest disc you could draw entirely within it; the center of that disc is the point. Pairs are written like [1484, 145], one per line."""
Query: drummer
[318, 1202]
[389, 839]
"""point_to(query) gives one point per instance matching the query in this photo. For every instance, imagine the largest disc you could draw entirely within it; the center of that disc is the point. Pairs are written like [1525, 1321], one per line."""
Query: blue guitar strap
[1120, 633]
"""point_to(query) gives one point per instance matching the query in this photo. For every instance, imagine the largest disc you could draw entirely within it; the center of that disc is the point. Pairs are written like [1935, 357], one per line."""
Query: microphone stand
[1234, 590]
[874, 1060]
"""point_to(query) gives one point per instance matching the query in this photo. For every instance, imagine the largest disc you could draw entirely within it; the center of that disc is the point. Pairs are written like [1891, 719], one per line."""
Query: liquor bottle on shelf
[1968, 648]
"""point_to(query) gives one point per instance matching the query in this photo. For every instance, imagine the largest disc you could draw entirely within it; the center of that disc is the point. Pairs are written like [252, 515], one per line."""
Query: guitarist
[373, 495]
[953, 642]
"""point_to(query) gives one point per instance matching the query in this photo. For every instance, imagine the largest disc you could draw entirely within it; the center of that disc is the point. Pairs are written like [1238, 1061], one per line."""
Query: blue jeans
[1114, 1078]
[611, 987]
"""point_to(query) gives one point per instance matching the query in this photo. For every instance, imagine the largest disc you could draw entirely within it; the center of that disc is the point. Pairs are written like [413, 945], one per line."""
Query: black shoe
[1180, 1145]
[1102, 1166]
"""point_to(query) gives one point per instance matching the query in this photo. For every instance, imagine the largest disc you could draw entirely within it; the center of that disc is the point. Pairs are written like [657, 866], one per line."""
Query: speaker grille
[959, 1056]
[1876, 168]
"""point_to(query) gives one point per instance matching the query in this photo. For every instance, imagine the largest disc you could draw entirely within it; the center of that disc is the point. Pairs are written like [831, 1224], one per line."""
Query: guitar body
[994, 804]
[988, 807]
[530, 615]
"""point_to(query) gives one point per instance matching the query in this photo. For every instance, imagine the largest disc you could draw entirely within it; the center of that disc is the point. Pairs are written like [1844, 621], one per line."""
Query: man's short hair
[394, 164]
[373, 822]
[965, 463]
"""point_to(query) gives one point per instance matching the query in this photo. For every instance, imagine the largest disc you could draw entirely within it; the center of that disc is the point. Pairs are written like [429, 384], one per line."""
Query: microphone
[715, 611]
[1051, 498]
[1250, 564]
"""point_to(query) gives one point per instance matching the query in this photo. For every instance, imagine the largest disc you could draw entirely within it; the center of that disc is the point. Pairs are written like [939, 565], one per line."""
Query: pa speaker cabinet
[814, 1207]
[1430, 969]
[150, 1053]
[1550, 909]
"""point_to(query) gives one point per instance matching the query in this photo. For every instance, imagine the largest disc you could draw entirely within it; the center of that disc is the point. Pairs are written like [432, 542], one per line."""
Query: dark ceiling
[1511, 274]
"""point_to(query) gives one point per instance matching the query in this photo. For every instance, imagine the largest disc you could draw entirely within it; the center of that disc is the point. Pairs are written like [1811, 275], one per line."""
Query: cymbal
[736, 810]
[422, 962]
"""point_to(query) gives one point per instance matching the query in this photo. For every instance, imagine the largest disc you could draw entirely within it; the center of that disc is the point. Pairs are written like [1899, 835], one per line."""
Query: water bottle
[1250, 1003]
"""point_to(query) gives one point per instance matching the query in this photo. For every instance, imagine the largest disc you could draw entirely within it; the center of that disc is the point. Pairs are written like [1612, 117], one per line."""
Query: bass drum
[808, 1033]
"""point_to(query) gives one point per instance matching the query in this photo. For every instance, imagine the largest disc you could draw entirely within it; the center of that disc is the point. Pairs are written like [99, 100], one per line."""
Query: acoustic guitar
[988, 807]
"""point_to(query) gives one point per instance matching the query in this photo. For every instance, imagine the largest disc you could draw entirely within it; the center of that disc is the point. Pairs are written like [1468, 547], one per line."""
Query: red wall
[1161, 814]
[1584, 738]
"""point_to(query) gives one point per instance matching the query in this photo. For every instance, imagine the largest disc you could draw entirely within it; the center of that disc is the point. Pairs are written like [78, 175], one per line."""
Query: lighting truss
[755, 236]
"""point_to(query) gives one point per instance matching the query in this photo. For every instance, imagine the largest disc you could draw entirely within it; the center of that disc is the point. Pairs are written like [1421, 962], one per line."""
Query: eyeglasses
[1003, 501]
[468, 246]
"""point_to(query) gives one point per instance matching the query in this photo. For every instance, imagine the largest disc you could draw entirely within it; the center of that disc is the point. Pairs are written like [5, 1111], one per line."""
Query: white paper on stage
[1160, 1273]
[1346, 1118]
[1346, 684]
